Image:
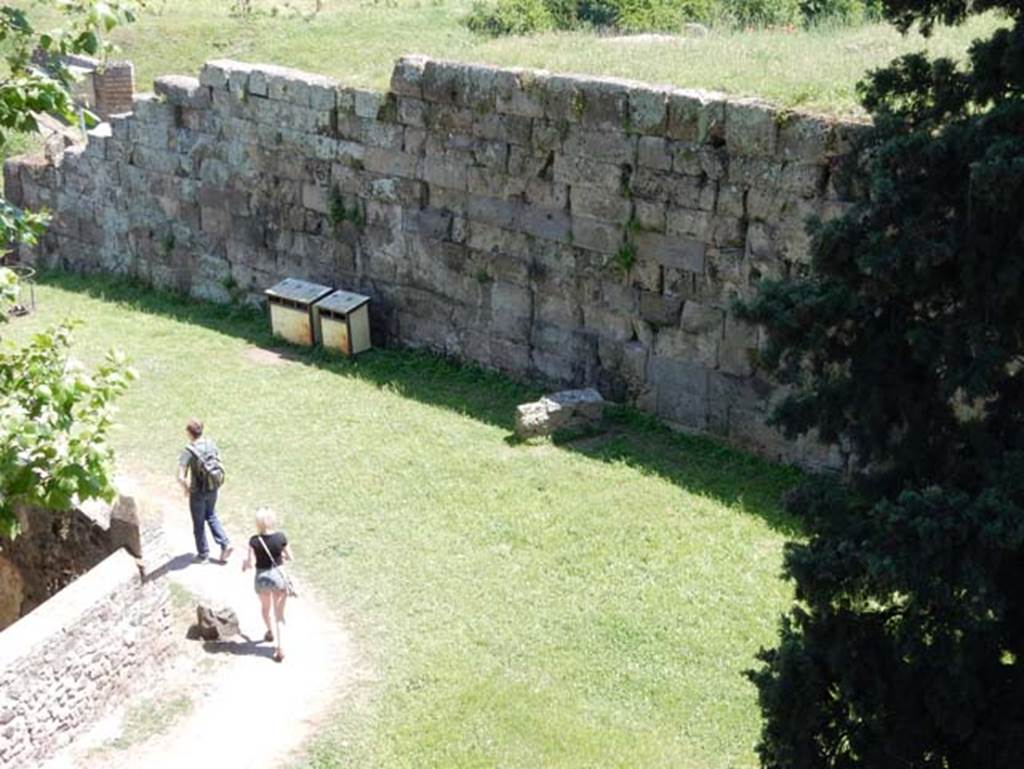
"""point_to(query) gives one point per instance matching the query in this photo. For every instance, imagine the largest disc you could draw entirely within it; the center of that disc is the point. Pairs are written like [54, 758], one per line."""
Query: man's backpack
[208, 467]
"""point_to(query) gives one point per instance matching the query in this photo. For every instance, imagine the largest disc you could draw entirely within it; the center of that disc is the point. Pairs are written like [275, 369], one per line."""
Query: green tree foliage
[27, 91]
[906, 341]
[55, 417]
[8, 292]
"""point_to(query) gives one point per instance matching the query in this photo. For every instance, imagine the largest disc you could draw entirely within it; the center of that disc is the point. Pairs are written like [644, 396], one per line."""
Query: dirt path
[223, 704]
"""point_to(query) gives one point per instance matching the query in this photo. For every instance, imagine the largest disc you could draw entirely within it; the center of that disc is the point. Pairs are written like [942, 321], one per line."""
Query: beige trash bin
[290, 303]
[342, 322]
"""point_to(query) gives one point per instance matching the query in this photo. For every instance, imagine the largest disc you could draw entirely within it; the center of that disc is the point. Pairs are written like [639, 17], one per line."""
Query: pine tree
[905, 647]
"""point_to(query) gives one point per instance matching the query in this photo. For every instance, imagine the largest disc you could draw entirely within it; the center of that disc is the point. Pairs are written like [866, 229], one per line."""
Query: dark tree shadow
[698, 464]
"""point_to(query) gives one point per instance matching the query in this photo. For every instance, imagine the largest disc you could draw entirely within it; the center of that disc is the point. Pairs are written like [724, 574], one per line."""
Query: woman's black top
[276, 543]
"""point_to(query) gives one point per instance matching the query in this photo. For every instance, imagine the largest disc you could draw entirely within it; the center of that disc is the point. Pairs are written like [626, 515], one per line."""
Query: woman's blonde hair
[265, 520]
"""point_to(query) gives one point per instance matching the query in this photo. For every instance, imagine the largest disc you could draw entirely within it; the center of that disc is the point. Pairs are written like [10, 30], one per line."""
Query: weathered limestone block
[407, 76]
[671, 251]
[565, 410]
[596, 235]
[509, 129]
[571, 170]
[653, 152]
[649, 215]
[182, 91]
[604, 146]
[804, 179]
[681, 391]
[696, 116]
[660, 309]
[676, 344]
[523, 95]
[605, 103]
[689, 223]
[149, 108]
[739, 347]
[648, 109]
[563, 98]
[751, 127]
[805, 138]
[599, 204]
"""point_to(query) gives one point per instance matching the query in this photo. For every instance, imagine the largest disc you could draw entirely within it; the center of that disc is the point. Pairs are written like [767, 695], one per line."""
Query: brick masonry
[63, 665]
[580, 231]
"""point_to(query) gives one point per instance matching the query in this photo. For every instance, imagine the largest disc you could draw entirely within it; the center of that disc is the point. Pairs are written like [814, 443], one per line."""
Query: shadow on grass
[698, 464]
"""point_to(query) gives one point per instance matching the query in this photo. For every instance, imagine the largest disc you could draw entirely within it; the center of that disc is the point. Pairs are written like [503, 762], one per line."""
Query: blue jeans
[203, 506]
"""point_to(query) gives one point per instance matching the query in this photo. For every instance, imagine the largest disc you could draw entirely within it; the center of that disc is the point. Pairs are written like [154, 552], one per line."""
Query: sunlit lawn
[357, 42]
[583, 604]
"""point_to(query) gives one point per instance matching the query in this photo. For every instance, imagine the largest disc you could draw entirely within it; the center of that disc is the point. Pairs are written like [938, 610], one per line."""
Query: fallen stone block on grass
[565, 410]
[215, 623]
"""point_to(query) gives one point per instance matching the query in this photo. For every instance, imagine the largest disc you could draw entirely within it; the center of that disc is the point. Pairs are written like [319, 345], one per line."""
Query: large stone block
[572, 170]
[600, 204]
[696, 116]
[681, 391]
[739, 347]
[443, 171]
[524, 95]
[407, 76]
[182, 91]
[545, 223]
[648, 110]
[692, 347]
[751, 128]
[565, 410]
[660, 310]
[671, 251]
[510, 129]
[596, 235]
[604, 146]
[805, 138]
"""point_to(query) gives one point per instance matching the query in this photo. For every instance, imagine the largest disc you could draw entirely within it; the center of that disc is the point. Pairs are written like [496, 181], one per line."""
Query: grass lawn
[582, 604]
[358, 40]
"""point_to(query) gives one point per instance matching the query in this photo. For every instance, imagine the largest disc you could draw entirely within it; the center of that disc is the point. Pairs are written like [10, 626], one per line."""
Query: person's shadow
[177, 563]
[247, 647]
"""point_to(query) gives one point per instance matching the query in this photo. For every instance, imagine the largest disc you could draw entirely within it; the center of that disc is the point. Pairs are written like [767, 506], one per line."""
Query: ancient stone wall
[576, 230]
[102, 637]
[54, 548]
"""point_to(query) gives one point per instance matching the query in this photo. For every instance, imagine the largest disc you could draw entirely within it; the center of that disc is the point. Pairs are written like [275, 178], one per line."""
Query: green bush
[521, 17]
[839, 11]
[667, 15]
[510, 17]
[764, 13]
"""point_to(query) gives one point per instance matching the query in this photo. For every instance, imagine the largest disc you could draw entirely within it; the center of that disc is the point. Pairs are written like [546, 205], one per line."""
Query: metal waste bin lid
[300, 291]
[342, 302]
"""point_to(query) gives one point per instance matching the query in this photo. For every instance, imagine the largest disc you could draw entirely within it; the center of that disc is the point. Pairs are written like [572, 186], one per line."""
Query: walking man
[201, 473]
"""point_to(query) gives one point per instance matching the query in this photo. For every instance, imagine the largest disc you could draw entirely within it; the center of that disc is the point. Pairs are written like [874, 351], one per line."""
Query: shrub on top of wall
[522, 17]
[839, 11]
[763, 13]
[510, 17]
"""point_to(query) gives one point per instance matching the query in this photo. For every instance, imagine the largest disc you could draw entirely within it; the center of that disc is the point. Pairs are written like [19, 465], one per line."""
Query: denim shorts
[269, 580]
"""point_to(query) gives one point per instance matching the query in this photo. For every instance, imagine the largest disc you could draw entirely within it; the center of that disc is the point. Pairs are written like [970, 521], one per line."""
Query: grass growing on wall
[358, 42]
[577, 605]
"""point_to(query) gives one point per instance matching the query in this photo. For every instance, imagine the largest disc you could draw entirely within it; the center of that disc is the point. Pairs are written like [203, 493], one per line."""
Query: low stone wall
[102, 637]
[582, 231]
[54, 548]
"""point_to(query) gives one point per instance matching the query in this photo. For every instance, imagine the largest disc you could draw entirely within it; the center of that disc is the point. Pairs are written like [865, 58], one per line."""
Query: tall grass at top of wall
[357, 41]
[520, 17]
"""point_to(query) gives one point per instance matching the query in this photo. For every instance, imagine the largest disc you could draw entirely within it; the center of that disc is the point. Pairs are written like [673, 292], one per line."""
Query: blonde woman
[268, 549]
